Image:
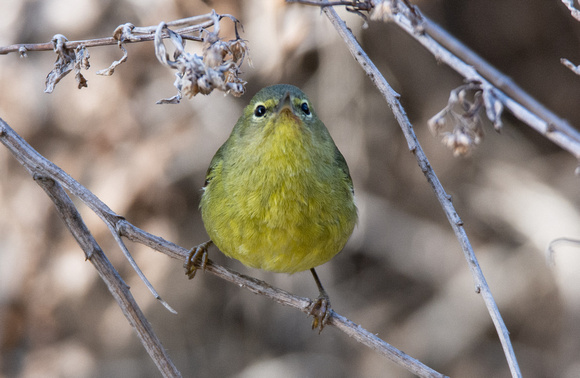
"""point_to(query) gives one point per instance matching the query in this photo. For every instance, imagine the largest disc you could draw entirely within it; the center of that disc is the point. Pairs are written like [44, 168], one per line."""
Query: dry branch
[494, 88]
[447, 49]
[43, 172]
[392, 99]
[573, 10]
[218, 68]
[127, 33]
[576, 14]
[53, 179]
[473, 68]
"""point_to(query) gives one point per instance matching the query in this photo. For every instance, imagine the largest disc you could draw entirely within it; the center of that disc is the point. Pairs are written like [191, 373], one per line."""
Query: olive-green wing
[216, 162]
[341, 162]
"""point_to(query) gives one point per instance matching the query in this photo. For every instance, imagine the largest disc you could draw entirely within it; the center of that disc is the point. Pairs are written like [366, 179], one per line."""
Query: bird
[278, 194]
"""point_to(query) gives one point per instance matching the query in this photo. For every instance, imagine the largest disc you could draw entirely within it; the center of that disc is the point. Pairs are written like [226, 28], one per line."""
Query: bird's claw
[197, 259]
[320, 310]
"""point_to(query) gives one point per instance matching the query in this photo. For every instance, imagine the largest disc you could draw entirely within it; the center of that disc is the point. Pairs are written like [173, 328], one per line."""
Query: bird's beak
[285, 103]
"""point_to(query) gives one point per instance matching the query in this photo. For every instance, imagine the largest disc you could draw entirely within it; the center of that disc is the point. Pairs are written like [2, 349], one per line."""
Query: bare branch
[52, 176]
[512, 97]
[551, 251]
[219, 68]
[574, 68]
[374, 342]
[138, 34]
[447, 49]
[361, 5]
[117, 236]
[392, 99]
[283, 297]
[573, 10]
[26, 155]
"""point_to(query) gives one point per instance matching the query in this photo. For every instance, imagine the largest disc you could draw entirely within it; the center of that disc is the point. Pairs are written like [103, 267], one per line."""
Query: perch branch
[283, 297]
[392, 99]
[37, 167]
[49, 173]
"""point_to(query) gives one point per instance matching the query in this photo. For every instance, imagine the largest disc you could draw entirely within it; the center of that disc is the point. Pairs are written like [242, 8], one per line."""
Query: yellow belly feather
[283, 207]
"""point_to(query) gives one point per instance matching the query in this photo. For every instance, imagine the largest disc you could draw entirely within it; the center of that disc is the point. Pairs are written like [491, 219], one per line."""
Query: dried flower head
[67, 60]
[461, 141]
[382, 10]
[462, 116]
[217, 68]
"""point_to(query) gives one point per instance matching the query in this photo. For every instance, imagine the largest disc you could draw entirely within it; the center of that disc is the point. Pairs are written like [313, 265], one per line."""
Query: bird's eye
[305, 108]
[260, 111]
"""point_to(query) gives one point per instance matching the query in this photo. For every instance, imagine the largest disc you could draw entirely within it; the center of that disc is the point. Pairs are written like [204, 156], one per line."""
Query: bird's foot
[320, 310]
[197, 259]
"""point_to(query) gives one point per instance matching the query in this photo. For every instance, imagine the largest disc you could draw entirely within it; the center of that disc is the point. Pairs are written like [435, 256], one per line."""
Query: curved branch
[447, 49]
[93, 252]
[40, 167]
[283, 297]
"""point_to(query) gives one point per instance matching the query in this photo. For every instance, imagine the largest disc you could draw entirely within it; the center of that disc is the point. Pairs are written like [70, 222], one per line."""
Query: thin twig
[39, 166]
[22, 48]
[392, 99]
[551, 251]
[217, 68]
[26, 155]
[447, 49]
[283, 297]
[568, 64]
[139, 34]
[573, 10]
[473, 68]
[576, 14]
[359, 5]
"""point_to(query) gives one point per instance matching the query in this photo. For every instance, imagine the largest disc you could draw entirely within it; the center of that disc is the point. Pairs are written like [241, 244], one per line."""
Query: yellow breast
[283, 204]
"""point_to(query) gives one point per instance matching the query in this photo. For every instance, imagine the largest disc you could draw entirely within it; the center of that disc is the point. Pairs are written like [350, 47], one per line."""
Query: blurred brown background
[402, 275]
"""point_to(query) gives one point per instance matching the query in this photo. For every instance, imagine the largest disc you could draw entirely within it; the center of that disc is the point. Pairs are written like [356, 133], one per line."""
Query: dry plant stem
[148, 32]
[32, 160]
[574, 68]
[259, 287]
[93, 252]
[447, 49]
[551, 251]
[51, 177]
[473, 68]
[573, 10]
[374, 342]
[576, 14]
[393, 100]
[107, 41]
